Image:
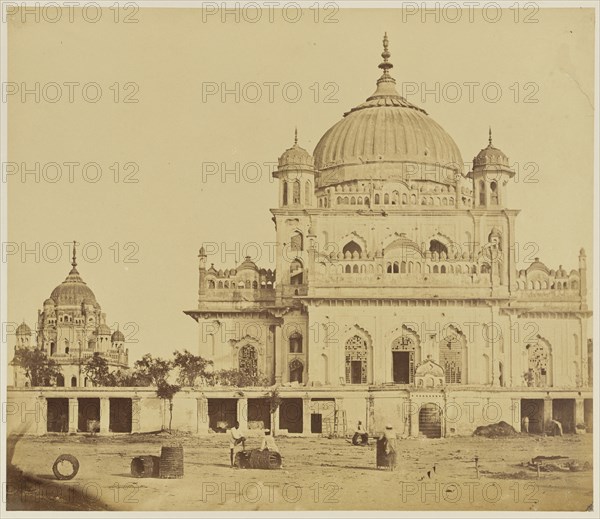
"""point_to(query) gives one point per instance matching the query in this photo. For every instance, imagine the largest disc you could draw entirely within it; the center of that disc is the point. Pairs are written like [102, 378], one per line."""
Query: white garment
[268, 442]
[234, 434]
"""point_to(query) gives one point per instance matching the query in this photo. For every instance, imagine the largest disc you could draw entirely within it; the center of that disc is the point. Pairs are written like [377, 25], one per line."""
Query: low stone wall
[449, 412]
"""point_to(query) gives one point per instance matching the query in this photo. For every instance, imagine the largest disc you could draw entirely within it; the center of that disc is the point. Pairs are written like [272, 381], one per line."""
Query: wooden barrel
[145, 466]
[171, 462]
[266, 459]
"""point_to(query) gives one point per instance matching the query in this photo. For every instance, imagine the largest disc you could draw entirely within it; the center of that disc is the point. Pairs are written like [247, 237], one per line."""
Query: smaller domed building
[70, 329]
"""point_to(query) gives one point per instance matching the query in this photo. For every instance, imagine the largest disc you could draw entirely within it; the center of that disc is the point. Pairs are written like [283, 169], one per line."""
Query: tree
[96, 368]
[238, 378]
[274, 403]
[191, 367]
[38, 368]
[152, 370]
[167, 391]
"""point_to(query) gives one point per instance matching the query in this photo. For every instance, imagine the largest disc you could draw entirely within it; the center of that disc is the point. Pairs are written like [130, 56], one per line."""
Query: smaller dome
[103, 329]
[117, 336]
[49, 302]
[296, 158]
[491, 156]
[23, 329]
[247, 264]
[537, 265]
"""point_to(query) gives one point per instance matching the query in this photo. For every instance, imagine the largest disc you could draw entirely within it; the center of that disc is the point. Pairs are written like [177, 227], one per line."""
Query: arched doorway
[430, 421]
[60, 380]
[73, 381]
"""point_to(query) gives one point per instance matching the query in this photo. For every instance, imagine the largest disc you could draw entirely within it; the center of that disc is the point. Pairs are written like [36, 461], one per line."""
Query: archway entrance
[430, 421]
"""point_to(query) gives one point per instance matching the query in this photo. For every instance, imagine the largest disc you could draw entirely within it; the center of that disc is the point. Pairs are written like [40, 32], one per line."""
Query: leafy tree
[96, 368]
[274, 403]
[38, 367]
[191, 367]
[152, 371]
[167, 391]
[238, 378]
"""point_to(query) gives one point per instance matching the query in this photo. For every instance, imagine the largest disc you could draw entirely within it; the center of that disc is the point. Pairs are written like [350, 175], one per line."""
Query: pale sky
[171, 57]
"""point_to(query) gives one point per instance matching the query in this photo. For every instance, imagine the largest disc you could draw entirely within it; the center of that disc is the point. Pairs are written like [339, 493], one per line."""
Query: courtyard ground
[317, 474]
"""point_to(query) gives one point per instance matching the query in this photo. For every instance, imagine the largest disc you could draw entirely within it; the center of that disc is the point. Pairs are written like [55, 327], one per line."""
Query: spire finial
[74, 262]
[490, 136]
[385, 65]
[296, 136]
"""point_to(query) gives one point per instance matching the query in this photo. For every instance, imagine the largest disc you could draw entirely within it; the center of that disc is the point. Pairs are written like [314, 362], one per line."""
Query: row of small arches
[394, 200]
[253, 285]
[409, 267]
[545, 285]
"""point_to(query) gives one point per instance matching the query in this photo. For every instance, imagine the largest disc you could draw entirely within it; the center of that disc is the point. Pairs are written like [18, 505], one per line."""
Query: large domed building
[396, 293]
[70, 329]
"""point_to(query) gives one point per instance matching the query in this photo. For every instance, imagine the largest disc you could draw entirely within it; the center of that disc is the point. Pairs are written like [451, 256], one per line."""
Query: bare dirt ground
[317, 474]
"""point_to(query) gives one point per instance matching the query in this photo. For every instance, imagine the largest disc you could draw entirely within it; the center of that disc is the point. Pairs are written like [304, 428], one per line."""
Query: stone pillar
[413, 418]
[579, 411]
[275, 422]
[73, 414]
[547, 412]
[306, 414]
[278, 344]
[202, 420]
[242, 413]
[515, 407]
[41, 413]
[136, 412]
[369, 426]
[104, 415]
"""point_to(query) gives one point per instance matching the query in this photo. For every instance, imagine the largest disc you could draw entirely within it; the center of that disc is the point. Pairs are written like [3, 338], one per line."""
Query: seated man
[235, 439]
[360, 435]
[268, 442]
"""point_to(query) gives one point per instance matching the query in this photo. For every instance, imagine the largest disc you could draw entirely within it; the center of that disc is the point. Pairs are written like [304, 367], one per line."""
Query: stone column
[413, 418]
[547, 412]
[202, 420]
[41, 413]
[370, 400]
[136, 418]
[579, 411]
[242, 413]
[275, 422]
[306, 430]
[73, 414]
[104, 415]
[278, 338]
[516, 413]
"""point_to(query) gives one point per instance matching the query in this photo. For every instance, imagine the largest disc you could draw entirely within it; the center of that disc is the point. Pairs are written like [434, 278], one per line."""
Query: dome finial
[296, 136]
[490, 137]
[385, 65]
[74, 262]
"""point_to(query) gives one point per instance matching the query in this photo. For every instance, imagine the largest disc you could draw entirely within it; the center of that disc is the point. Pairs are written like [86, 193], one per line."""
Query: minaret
[295, 173]
[201, 272]
[491, 173]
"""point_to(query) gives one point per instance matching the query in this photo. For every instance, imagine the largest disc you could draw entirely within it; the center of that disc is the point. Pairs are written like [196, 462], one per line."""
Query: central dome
[384, 138]
[73, 291]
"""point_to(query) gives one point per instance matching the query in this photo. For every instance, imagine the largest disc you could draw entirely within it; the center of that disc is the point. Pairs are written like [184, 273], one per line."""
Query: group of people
[386, 444]
[237, 442]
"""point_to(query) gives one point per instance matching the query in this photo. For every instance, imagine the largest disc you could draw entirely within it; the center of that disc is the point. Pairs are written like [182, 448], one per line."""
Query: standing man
[235, 439]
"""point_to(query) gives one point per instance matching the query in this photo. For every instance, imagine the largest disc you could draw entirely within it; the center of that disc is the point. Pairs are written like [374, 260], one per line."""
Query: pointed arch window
[248, 360]
[295, 343]
[539, 364]
[452, 353]
[296, 371]
[352, 247]
[356, 360]
[296, 241]
[404, 351]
